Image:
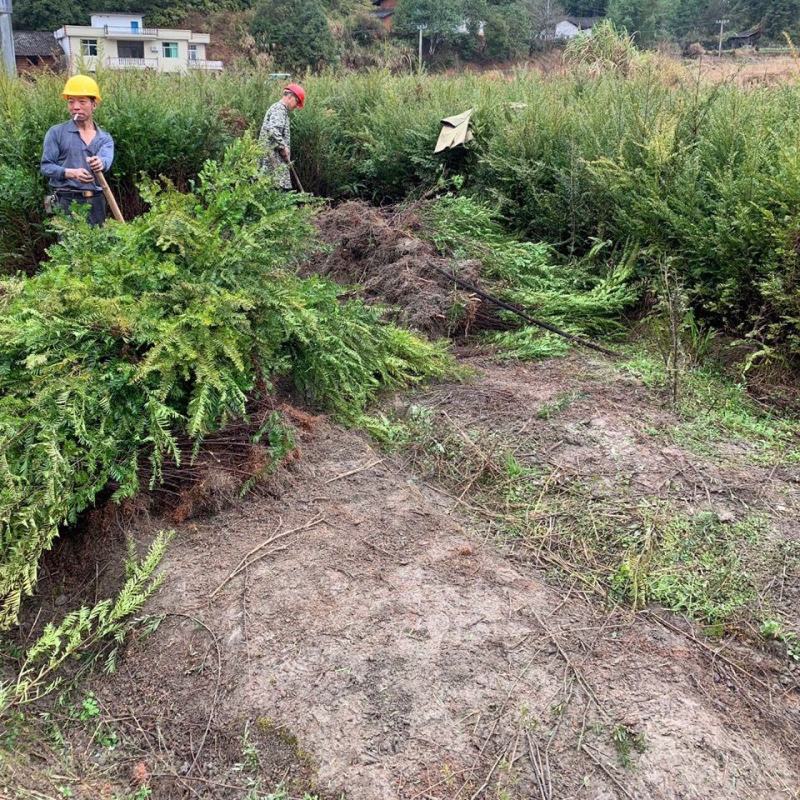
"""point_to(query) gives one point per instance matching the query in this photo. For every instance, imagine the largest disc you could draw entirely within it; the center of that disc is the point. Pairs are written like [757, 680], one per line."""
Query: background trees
[295, 32]
[778, 15]
[646, 19]
[45, 14]
[442, 19]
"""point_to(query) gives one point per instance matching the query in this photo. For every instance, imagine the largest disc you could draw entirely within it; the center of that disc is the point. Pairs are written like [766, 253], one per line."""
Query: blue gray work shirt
[64, 149]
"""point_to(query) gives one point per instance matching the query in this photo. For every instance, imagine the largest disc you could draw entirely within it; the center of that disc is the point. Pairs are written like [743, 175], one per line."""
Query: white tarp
[455, 132]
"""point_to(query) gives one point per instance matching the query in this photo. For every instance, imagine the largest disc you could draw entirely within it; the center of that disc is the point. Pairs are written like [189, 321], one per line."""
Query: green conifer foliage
[132, 334]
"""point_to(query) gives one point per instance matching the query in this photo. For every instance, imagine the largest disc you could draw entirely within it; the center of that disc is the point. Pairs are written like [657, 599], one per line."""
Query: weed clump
[585, 297]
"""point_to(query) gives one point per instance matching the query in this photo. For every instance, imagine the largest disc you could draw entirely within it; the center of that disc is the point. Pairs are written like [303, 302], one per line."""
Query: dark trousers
[98, 211]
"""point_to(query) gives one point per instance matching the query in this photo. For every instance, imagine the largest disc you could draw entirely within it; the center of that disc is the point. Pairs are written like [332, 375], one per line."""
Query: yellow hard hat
[81, 86]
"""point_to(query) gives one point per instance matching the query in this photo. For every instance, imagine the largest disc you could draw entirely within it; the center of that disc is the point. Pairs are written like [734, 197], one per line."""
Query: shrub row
[708, 176]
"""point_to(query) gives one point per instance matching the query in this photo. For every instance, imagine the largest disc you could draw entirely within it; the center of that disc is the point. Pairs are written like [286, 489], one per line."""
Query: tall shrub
[133, 334]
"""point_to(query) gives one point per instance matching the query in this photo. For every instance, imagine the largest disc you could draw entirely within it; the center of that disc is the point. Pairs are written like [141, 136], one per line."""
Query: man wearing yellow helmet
[74, 150]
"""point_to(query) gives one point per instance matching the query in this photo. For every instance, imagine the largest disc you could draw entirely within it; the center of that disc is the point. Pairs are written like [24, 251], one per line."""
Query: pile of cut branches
[584, 297]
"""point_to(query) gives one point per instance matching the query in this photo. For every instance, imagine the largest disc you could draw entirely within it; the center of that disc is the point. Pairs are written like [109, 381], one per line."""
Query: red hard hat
[298, 91]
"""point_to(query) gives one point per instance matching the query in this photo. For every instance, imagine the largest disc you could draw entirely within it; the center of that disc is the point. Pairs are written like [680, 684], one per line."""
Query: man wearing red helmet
[275, 137]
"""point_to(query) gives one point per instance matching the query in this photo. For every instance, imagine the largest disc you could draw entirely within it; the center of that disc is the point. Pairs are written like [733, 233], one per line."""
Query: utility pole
[722, 23]
[547, 23]
[7, 39]
[420, 28]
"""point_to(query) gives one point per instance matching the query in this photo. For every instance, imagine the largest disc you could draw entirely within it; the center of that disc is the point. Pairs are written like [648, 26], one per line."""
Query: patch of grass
[637, 553]
[626, 742]
[89, 708]
[251, 761]
[715, 410]
[688, 564]
[772, 628]
[561, 403]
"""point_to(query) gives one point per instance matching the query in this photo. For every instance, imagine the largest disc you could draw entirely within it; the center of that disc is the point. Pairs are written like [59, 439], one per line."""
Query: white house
[121, 41]
[464, 27]
[570, 27]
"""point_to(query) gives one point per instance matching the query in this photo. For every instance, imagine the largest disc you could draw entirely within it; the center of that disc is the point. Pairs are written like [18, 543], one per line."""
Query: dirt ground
[384, 645]
[751, 69]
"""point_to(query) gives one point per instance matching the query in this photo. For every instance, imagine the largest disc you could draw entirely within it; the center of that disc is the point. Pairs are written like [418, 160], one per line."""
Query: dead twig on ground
[541, 768]
[356, 470]
[426, 792]
[217, 684]
[485, 785]
[575, 671]
[206, 781]
[244, 620]
[606, 771]
[246, 561]
[243, 561]
[500, 712]
[159, 753]
[581, 681]
[715, 654]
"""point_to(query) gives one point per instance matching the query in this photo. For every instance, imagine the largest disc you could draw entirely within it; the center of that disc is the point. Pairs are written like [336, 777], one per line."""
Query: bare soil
[749, 69]
[385, 646]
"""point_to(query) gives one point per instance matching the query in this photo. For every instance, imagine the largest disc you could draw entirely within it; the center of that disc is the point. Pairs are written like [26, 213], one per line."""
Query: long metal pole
[7, 39]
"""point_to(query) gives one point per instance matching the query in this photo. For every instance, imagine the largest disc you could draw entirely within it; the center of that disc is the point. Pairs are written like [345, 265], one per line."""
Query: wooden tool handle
[109, 195]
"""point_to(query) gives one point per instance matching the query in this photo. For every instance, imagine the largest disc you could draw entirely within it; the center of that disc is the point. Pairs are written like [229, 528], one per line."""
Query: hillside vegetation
[513, 28]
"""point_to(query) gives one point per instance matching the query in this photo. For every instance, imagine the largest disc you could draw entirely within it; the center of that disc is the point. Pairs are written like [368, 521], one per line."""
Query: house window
[130, 49]
[88, 47]
[192, 52]
[170, 49]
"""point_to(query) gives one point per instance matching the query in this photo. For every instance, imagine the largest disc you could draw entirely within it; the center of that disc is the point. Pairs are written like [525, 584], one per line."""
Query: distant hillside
[51, 14]
[244, 28]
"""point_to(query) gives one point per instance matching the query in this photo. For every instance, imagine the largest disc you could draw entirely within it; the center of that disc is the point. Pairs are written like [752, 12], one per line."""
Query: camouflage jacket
[275, 135]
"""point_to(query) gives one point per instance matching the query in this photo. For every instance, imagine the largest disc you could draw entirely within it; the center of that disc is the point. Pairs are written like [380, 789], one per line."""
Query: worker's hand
[285, 153]
[82, 175]
[96, 163]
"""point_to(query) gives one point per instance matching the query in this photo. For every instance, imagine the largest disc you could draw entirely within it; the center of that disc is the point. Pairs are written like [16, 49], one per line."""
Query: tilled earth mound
[379, 251]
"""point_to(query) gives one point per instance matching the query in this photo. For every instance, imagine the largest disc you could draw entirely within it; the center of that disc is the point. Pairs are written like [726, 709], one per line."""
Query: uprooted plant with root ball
[131, 335]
